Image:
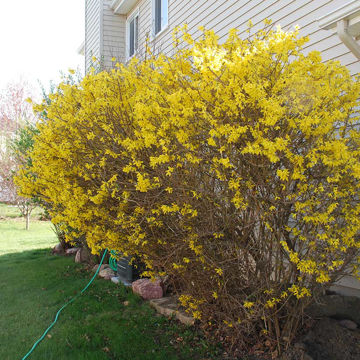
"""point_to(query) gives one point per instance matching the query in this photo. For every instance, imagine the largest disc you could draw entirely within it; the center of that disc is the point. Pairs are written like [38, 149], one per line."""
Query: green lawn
[34, 284]
[13, 236]
[12, 211]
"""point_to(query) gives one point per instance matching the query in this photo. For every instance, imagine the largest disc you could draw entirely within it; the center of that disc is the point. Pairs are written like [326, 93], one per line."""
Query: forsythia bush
[233, 168]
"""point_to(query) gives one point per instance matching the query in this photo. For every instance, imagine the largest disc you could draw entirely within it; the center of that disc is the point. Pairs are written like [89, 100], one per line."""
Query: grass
[13, 236]
[34, 284]
[12, 211]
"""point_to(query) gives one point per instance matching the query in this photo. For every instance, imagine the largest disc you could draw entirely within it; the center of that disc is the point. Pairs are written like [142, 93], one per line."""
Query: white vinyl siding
[222, 15]
[219, 15]
[92, 32]
[104, 35]
[114, 29]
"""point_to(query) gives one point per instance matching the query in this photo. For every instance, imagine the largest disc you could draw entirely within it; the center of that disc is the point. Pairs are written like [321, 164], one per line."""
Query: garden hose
[112, 260]
[63, 307]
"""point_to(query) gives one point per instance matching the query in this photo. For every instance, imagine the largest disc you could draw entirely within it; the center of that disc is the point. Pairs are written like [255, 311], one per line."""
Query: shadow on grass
[99, 325]
[22, 256]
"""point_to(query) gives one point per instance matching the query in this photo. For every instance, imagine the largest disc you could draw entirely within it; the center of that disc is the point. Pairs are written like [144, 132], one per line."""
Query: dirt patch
[327, 340]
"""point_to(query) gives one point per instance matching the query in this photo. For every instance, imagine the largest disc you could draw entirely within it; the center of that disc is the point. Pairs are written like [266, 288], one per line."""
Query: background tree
[16, 130]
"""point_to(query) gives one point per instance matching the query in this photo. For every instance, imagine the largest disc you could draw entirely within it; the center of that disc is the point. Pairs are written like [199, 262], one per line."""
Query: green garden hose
[112, 260]
[63, 307]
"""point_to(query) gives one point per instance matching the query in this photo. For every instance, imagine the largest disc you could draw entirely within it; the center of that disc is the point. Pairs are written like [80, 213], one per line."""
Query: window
[160, 15]
[132, 33]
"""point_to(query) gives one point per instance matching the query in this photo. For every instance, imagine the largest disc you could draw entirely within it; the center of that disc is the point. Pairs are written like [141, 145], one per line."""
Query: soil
[327, 340]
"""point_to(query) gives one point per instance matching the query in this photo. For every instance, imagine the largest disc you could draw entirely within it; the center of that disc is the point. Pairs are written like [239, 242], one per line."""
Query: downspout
[346, 38]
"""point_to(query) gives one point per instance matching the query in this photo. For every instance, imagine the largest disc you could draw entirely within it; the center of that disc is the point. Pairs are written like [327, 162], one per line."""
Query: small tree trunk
[27, 221]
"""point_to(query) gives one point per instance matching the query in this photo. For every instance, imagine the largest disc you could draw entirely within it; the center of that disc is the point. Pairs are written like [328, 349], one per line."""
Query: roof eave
[349, 12]
[122, 7]
[345, 21]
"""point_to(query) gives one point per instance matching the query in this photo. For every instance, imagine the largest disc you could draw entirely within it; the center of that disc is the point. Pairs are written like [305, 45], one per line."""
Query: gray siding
[106, 31]
[222, 15]
[113, 35]
[92, 32]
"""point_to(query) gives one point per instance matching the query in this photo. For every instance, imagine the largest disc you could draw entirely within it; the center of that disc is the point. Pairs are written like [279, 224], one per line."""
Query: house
[116, 30]
[119, 28]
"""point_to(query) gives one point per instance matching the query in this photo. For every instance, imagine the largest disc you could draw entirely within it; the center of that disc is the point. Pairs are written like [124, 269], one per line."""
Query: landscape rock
[185, 318]
[168, 306]
[148, 289]
[82, 255]
[58, 249]
[71, 251]
[348, 324]
[107, 273]
[115, 279]
[102, 267]
[336, 306]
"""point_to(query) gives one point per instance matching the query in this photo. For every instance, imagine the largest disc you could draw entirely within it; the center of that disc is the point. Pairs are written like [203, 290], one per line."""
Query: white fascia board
[122, 7]
[349, 12]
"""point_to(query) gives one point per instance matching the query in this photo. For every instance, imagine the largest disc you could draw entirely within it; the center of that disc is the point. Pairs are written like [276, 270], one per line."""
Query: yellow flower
[219, 271]
[248, 304]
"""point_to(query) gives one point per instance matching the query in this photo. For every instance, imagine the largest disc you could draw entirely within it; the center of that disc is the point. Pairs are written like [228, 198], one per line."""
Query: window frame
[132, 16]
[163, 24]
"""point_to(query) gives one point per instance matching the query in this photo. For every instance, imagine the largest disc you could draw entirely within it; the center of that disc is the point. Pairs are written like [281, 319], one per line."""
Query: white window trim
[165, 26]
[132, 15]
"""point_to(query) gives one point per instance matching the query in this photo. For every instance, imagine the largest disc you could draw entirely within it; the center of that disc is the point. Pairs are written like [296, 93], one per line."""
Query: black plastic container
[127, 272]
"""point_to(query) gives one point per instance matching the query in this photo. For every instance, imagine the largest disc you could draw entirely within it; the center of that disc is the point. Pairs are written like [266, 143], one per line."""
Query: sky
[40, 38]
